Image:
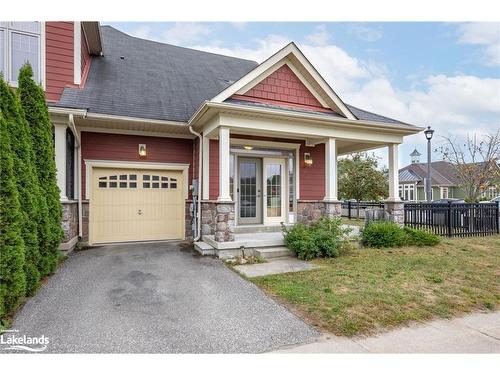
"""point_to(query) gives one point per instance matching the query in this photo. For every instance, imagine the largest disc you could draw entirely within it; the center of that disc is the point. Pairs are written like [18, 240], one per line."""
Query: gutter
[197, 235]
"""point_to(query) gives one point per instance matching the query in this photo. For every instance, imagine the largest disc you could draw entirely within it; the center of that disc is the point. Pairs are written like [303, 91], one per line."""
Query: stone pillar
[60, 157]
[69, 225]
[394, 211]
[224, 165]
[333, 209]
[217, 219]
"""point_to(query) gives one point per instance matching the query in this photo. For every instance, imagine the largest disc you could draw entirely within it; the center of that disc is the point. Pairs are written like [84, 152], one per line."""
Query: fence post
[498, 217]
[349, 209]
[449, 219]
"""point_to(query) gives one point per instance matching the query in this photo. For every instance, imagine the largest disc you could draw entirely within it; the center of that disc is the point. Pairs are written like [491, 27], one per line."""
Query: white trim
[91, 115]
[77, 52]
[331, 170]
[90, 129]
[224, 165]
[60, 157]
[206, 168]
[290, 49]
[393, 173]
[43, 57]
[90, 164]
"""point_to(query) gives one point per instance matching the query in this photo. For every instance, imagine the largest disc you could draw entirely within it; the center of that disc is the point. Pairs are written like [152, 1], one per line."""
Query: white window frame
[443, 189]
[8, 29]
[407, 191]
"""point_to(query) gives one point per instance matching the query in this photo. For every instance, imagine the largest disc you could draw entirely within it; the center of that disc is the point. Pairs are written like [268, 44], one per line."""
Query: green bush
[12, 277]
[36, 112]
[389, 234]
[417, 237]
[26, 181]
[325, 238]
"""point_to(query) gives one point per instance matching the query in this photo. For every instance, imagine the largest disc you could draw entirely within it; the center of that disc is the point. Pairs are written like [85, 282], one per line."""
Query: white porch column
[206, 169]
[393, 173]
[224, 163]
[60, 156]
[331, 170]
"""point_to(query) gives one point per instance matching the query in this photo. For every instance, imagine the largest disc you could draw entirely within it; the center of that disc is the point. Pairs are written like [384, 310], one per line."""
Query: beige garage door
[136, 205]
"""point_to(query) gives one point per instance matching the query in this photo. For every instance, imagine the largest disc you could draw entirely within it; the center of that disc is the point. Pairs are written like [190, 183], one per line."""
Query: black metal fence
[461, 220]
[350, 208]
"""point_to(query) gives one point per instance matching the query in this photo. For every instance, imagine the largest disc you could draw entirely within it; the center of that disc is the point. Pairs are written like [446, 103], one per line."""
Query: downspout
[198, 211]
[78, 173]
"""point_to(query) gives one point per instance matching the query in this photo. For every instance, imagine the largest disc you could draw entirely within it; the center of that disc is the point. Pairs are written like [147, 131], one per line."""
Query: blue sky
[446, 75]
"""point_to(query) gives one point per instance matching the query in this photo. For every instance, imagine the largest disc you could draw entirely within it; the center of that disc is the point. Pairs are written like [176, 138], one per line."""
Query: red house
[157, 142]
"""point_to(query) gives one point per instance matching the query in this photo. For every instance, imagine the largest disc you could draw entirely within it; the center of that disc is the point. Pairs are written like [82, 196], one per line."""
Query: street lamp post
[428, 188]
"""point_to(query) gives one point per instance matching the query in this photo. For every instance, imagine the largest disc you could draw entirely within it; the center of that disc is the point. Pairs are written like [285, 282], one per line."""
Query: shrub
[417, 237]
[389, 234]
[325, 238]
[12, 278]
[26, 181]
[36, 112]
[383, 234]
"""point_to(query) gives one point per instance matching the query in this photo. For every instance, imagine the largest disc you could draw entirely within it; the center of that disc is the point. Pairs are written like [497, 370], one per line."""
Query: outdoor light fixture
[428, 184]
[248, 147]
[428, 133]
[142, 150]
[308, 159]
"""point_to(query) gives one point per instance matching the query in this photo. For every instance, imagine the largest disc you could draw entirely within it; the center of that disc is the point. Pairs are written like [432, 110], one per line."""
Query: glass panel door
[249, 191]
[274, 179]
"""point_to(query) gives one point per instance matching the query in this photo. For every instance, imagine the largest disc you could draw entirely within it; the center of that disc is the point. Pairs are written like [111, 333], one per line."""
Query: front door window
[274, 174]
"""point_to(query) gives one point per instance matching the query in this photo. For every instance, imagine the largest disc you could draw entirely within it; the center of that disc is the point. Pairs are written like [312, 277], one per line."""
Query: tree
[360, 179]
[12, 278]
[26, 181]
[36, 112]
[475, 162]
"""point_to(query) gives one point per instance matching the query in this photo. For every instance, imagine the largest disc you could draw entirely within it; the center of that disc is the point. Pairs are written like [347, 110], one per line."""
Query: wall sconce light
[308, 159]
[248, 147]
[142, 150]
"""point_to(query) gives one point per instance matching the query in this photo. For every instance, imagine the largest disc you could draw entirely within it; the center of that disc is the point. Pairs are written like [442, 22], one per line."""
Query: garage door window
[122, 181]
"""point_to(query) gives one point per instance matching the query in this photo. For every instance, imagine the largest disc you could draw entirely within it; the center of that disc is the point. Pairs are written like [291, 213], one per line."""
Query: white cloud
[185, 32]
[485, 34]
[320, 36]
[366, 33]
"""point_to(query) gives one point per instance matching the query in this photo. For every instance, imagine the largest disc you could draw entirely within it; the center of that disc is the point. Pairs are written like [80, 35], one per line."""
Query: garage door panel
[129, 205]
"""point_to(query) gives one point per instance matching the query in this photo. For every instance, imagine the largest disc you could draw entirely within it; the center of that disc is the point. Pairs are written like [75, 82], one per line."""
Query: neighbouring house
[156, 142]
[444, 181]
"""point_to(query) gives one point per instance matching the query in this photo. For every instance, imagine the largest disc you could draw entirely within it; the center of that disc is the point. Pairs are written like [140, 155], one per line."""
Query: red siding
[213, 169]
[100, 146]
[282, 86]
[59, 58]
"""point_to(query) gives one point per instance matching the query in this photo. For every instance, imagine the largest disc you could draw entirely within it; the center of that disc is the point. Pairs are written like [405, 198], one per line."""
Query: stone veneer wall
[309, 211]
[394, 211]
[217, 219]
[69, 224]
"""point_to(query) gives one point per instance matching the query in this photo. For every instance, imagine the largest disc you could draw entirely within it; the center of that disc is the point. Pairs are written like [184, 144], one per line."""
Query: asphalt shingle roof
[442, 173]
[146, 79]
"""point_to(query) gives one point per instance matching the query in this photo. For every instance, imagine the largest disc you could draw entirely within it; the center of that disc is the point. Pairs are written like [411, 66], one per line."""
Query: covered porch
[263, 169]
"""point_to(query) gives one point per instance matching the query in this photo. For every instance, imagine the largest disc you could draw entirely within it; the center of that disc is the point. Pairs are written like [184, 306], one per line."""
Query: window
[20, 42]
[407, 192]
[444, 193]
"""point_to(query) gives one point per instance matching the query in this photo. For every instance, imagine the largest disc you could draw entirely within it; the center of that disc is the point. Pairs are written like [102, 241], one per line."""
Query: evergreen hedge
[26, 180]
[36, 112]
[12, 278]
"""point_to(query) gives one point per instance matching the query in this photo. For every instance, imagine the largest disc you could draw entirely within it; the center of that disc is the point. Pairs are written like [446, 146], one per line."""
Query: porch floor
[247, 240]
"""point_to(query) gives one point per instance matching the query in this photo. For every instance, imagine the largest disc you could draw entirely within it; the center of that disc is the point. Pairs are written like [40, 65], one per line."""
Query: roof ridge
[175, 46]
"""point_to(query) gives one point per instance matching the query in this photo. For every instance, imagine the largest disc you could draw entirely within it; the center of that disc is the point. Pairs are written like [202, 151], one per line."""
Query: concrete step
[203, 248]
[273, 252]
[245, 229]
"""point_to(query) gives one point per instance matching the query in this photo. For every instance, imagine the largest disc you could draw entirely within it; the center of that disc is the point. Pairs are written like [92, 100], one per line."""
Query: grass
[370, 290]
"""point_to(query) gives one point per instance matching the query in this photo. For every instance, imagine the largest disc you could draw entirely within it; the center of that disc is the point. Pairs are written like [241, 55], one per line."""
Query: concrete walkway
[275, 266]
[475, 333]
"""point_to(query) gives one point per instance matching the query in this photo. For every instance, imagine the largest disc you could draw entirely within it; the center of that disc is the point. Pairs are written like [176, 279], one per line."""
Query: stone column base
[394, 211]
[311, 211]
[217, 219]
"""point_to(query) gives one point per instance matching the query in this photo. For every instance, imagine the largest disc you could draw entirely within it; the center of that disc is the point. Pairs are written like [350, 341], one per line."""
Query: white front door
[274, 172]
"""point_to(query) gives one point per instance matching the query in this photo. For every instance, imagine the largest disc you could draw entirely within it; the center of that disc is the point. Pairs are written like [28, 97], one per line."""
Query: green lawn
[357, 222]
[372, 289]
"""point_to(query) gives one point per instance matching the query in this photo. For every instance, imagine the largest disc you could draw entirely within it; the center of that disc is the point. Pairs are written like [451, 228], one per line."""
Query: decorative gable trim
[302, 68]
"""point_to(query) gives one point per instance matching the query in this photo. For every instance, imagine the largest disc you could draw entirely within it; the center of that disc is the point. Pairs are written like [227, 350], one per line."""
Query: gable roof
[442, 173]
[150, 80]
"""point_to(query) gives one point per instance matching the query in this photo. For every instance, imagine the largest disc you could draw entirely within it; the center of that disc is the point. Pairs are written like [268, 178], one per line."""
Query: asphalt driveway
[155, 298]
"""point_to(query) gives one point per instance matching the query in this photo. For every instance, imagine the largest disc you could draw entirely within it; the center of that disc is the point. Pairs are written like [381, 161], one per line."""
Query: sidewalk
[475, 333]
